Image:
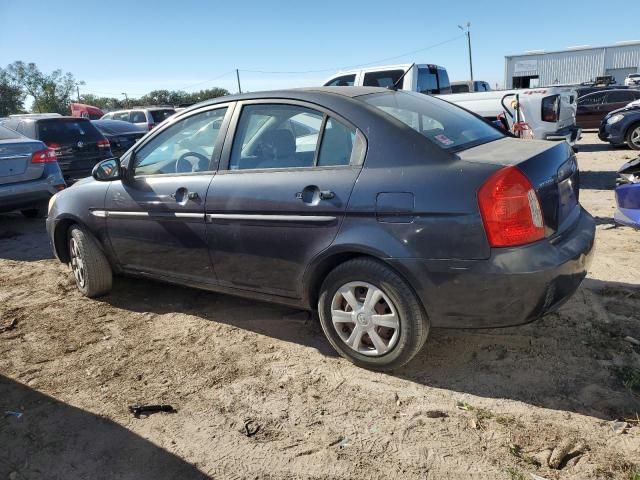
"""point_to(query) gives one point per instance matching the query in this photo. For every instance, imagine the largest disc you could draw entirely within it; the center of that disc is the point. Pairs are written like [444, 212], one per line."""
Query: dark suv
[78, 144]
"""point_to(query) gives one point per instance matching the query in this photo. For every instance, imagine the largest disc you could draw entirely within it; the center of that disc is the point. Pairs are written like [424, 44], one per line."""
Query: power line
[358, 65]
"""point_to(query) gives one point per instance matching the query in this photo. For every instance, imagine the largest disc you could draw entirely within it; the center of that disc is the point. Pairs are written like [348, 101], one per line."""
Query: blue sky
[136, 46]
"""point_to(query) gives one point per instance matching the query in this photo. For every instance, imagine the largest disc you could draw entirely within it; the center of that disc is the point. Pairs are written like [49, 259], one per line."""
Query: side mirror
[107, 170]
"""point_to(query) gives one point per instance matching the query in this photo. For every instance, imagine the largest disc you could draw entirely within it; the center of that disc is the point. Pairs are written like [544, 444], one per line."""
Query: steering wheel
[200, 164]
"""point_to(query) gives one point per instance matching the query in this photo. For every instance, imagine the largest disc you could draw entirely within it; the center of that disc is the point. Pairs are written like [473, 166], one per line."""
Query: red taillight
[510, 209]
[103, 143]
[47, 155]
[151, 125]
[53, 145]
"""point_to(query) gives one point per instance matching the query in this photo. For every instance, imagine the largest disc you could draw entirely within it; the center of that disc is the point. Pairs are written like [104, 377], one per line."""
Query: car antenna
[397, 82]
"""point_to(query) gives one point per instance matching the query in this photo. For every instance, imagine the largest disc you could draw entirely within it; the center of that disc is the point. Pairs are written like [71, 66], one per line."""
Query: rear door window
[161, 115]
[292, 136]
[67, 130]
[138, 116]
[122, 116]
[386, 78]
[620, 97]
[343, 81]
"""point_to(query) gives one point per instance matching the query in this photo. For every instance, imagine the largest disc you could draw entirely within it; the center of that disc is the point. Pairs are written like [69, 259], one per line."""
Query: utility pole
[238, 77]
[78, 90]
[126, 99]
[467, 32]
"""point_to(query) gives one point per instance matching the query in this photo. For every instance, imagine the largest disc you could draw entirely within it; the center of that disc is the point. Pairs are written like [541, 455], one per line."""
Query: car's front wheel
[371, 316]
[633, 136]
[89, 264]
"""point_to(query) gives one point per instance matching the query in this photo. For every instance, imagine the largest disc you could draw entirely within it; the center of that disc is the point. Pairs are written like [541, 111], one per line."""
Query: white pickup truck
[550, 112]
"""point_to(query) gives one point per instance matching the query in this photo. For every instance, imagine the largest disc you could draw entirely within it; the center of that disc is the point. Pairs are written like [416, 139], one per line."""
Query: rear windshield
[161, 115]
[8, 134]
[67, 130]
[447, 125]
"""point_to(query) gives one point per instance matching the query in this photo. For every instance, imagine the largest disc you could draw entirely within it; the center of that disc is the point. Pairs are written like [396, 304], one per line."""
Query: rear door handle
[193, 196]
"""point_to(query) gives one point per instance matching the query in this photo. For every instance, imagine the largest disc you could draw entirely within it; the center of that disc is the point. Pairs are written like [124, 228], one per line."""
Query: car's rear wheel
[633, 136]
[88, 263]
[37, 212]
[371, 316]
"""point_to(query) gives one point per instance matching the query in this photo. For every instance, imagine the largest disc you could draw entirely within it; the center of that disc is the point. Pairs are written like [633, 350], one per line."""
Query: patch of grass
[505, 420]
[480, 414]
[630, 377]
[515, 474]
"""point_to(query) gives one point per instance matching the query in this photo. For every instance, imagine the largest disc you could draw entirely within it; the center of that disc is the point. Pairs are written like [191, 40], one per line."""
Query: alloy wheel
[365, 319]
[77, 264]
[635, 137]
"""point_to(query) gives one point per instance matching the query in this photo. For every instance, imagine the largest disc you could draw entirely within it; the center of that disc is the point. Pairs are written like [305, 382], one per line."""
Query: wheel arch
[60, 235]
[632, 126]
[321, 267]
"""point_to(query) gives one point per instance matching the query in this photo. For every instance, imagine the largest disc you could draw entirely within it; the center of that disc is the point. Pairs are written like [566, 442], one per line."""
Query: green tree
[11, 96]
[51, 92]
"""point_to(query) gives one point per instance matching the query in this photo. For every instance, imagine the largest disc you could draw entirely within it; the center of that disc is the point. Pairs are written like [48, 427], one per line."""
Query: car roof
[57, 117]
[310, 94]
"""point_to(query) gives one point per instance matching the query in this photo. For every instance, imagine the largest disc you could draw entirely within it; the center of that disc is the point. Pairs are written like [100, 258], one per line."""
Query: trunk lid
[551, 168]
[15, 161]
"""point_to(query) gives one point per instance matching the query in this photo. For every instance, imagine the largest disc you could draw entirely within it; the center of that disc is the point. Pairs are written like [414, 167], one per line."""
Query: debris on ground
[5, 326]
[147, 410]
[632, 340]
[251, 428]
[9, 413]
[619, 427]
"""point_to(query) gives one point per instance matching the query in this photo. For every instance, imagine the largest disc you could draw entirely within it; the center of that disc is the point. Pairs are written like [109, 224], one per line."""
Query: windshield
[448, 126]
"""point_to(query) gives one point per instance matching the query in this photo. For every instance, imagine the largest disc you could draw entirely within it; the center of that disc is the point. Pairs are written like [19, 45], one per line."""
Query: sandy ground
[491, 404]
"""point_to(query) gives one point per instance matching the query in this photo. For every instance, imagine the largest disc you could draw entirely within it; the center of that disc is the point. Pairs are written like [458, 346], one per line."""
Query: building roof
[576, 49]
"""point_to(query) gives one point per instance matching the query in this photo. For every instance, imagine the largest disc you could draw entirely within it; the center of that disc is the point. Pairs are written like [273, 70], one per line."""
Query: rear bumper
[512, 287]
[28, 194]
[570, 134]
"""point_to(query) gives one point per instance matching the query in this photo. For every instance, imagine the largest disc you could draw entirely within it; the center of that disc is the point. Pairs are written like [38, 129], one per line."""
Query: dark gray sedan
[29, 174]
[387, 212]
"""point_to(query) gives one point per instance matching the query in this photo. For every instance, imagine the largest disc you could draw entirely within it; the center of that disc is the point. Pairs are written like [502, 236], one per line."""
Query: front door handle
[326, 195]
[193, 196]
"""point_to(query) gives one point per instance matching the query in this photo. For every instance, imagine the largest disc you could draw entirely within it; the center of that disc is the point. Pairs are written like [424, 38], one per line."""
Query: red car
[86, 111]
[593, 107]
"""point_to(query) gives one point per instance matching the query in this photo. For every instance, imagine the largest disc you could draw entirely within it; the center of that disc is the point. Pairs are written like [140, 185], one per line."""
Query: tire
[38, 212]
[358, 279]
[88, 263]
[633, 136]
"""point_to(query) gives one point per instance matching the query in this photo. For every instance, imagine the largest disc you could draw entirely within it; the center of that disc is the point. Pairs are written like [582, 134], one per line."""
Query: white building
[572, 66]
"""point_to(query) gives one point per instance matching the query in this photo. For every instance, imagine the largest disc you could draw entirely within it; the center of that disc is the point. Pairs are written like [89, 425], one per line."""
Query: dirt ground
[483, 404]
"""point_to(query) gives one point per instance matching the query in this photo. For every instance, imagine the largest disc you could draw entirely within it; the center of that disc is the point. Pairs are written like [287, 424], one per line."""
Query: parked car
[78, 145]
[389, 212]
[628, 194]
[582, 90]
[29, 174]
[632, 80]
[423, 78]
[622, 126]
[468, 86]
[86, 111]
[144, 117]
[593, 107]
[121, 135]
